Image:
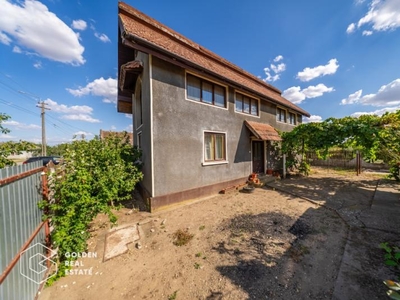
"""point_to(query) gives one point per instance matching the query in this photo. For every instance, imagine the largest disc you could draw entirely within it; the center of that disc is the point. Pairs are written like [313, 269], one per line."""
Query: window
[245, 104]
[280, 115]
[139, 140]
[205, 91]
[214, 147]
[292, 118]
[138, 104]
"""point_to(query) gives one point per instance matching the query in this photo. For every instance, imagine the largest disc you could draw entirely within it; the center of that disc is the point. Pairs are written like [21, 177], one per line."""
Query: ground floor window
[214, 146]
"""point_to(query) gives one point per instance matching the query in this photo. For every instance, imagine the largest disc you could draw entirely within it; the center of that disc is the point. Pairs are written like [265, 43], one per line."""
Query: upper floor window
[280, 115]
[245, 104]
[292, 118]
[138, 115]
[205, 91]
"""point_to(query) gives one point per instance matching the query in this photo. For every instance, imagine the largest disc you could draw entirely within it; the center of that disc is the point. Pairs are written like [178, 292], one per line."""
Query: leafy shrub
[94, 177]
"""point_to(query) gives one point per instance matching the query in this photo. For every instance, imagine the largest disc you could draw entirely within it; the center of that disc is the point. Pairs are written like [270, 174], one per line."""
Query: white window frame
[286, 114]
[216, 162]
[252, 97]
[212, 81]
[295, 118]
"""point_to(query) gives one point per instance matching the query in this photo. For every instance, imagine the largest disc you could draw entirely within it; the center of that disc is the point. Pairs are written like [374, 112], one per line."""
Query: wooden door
[258, 157]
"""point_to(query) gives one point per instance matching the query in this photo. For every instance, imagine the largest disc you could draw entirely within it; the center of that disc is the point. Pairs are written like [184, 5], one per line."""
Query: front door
[258, 157]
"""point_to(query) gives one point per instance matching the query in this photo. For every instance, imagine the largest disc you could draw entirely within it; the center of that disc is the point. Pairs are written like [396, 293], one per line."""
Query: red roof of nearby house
[104, 134]
[263, 131]
[143, 30]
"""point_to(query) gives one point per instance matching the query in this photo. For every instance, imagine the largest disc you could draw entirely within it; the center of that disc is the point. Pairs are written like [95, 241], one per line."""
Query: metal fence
[22, 232]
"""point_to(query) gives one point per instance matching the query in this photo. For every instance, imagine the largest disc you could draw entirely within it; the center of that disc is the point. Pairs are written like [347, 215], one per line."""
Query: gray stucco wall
[179, 126]
[178, 132]
[145, 128]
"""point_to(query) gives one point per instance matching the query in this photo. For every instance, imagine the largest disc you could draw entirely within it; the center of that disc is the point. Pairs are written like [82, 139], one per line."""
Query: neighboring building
[202, 123]
[104, 134]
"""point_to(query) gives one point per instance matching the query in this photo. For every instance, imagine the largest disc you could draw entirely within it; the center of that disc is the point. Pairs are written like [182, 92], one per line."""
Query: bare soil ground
[263, 245]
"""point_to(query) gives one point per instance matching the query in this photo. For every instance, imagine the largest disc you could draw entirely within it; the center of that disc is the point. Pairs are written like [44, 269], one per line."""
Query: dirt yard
[263, 245]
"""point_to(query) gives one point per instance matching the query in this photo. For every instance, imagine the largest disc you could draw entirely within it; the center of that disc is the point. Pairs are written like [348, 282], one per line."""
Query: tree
[10, 147]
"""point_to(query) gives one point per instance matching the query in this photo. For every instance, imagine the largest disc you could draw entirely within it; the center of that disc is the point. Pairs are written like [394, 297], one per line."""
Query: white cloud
[317, 91]
[106, 88]
[79, 24]
[274, 68]
[4, 39]
[38, 65]
[310, 73]
[80, 117]
[387, 95]
[7, 136]
[382, 15]
[352, 98]
[296, 95]
[378, 112]
[102, 37]
[129, 128]
[129, 116]
[62, 108]
[312, 118]
[17, 49]
[83, 133]
[367, 32]
[351, 28]
[19, 125]
[34, 27]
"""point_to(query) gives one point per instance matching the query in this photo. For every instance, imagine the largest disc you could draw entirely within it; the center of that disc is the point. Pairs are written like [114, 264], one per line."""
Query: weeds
[182, 237]
[197, 266]
[173, 295]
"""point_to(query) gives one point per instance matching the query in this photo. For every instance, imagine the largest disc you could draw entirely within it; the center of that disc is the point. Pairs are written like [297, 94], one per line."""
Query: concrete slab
[362, 269]
[117, 241]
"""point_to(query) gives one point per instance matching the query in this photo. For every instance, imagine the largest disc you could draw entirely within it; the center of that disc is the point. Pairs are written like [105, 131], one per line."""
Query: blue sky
[332, 58]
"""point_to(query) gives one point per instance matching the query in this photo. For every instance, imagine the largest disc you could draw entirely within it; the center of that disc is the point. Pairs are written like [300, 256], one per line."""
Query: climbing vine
[375, 137]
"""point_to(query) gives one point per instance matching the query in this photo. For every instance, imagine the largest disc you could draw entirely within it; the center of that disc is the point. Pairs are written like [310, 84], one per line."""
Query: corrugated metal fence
[22, 232]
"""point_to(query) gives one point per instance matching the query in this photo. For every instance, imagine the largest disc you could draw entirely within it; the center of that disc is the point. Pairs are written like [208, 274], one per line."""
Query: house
[202, 123]
[105, 133]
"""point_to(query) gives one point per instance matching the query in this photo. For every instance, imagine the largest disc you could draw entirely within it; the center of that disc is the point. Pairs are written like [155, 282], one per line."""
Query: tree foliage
[93, 178]
[376, 137]
[11, 147]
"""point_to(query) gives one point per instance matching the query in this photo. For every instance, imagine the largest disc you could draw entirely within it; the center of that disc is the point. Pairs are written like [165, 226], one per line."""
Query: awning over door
[263, 131]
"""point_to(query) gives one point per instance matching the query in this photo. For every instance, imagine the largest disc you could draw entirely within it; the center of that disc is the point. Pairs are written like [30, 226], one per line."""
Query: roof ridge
[176, 35]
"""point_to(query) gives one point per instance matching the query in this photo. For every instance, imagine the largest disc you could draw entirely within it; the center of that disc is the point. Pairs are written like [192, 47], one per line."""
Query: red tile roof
[263, 131]
[104, 134]
[142, 29]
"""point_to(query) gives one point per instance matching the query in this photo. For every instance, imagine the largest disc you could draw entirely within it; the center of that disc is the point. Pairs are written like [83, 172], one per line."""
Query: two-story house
[202, 123]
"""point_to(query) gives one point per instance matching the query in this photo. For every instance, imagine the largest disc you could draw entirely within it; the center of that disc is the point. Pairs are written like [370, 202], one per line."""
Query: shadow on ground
[331, 254]
[277, 257]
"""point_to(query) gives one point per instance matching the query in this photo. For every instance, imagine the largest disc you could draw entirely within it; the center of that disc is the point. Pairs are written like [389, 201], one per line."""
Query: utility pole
[43, 108]
[42, 105]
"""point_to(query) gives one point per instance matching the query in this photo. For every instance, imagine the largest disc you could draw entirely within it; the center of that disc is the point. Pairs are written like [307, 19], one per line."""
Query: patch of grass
[198, 254]
[173, 295]
[197, 266]
[182, 237]
[202, 227]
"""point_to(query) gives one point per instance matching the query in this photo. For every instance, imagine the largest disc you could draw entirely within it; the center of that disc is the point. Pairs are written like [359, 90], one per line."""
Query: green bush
[94, 177]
